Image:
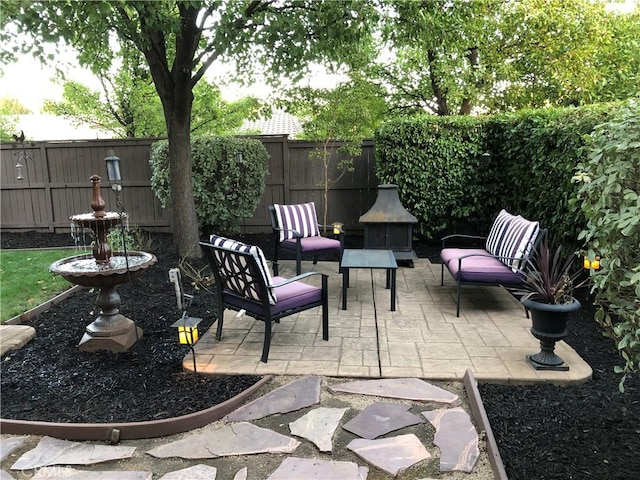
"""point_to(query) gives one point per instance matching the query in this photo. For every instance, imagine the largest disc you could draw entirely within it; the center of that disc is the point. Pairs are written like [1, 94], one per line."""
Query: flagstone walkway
[305, 428]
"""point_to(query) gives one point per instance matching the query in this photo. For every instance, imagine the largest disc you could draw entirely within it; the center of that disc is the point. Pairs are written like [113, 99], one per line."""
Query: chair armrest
[297, 278]
[461, 237]
[296, 234]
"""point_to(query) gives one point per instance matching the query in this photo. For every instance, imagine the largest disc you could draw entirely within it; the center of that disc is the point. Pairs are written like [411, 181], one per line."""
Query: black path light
[187, 326]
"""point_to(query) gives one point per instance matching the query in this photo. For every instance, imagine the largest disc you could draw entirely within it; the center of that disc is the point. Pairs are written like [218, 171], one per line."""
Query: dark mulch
[591, 431]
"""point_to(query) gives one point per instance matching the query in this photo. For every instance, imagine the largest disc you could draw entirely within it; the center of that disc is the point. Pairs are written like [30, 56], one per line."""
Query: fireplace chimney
[388, 225]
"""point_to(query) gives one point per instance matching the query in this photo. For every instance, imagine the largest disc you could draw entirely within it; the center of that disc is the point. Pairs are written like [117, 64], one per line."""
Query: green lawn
[25, 280]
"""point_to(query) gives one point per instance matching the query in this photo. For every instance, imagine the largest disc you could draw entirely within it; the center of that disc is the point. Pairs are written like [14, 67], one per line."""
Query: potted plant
[547, 292]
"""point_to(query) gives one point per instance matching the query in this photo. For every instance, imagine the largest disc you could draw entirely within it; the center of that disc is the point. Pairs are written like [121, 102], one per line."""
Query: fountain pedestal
[104, 270]
[111, 330]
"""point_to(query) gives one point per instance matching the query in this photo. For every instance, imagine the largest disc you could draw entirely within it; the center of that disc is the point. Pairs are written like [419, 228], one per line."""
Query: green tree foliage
[228, 175]
[338, 119]
[132, 109]
[180, 40]
[450, 57]
[128, 105]
[609, 197]
[8, 108]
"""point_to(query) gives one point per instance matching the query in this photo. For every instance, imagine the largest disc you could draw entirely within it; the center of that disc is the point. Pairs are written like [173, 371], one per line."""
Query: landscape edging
[114, 432]
[480, 416]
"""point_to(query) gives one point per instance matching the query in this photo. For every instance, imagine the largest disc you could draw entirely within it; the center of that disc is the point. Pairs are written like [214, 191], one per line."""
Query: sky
[31, 83]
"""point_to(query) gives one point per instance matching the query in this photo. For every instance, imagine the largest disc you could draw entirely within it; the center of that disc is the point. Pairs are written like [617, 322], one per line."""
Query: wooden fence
[52, 183]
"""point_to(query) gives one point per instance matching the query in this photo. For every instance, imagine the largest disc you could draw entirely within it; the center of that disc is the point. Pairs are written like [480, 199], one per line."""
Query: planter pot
[549, 324]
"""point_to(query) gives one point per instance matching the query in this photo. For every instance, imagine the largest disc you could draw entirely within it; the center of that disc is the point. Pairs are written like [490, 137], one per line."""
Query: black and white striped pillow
[511, 239]
[236, 246]
[301, 217]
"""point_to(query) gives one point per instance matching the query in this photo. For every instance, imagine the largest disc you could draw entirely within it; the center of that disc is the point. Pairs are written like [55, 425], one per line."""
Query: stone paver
[391, 454]
[408, 388]
[237, 439]
[196, 472]
[52, 451]
[8, 445]
[381, 418]
[422, 338]
[318, 426]
[456, 437]
[293, 396]
[66, 473]
[12, 337]
[305, 468]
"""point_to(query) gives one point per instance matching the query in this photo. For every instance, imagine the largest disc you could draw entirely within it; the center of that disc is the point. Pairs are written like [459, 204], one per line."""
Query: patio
[422, 338]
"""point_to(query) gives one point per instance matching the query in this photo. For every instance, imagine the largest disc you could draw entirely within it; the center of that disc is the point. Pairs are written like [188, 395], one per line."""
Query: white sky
[31, 83]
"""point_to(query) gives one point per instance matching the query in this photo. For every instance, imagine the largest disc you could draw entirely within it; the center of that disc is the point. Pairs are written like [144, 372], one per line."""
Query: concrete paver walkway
[422, 338]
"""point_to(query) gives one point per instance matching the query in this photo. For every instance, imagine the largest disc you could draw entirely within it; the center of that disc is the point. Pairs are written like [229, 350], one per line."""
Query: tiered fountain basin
[104, 269]
[111, 330]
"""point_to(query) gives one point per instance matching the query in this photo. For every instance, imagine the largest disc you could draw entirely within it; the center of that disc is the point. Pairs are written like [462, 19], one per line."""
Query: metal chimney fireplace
[388, 225]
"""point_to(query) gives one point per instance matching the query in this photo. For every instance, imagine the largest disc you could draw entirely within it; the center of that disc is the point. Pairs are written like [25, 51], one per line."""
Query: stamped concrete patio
[422, 338]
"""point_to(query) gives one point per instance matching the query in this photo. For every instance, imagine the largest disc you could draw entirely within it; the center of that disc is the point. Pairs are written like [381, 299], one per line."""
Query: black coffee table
[373, 259]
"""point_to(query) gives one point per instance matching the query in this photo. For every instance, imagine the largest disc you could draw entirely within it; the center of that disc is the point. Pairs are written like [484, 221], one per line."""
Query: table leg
[393, 289]
[388, 278]
[345, 285]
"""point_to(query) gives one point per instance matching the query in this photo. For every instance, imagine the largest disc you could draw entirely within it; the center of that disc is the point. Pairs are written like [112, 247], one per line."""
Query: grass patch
[25, 280]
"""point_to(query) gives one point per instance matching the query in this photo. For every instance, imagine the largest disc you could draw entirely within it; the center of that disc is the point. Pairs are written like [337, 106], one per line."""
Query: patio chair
[244, 284]
[296, 229]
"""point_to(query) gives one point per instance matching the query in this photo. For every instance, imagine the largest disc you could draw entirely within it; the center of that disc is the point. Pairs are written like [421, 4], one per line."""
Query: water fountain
[104, 269]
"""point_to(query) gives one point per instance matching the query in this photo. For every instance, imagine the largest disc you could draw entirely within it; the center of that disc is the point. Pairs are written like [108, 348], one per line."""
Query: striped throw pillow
[511, 239]
[256, 252]
[299, 218]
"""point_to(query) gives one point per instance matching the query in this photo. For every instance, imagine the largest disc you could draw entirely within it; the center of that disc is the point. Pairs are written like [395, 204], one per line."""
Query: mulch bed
[590, 431]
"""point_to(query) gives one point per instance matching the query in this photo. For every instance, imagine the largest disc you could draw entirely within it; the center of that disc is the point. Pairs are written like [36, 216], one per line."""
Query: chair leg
[458, 298]
[442, 274]
[325, 309]
[220, 321]
[276, 267]
[298, 258]
[267, 339]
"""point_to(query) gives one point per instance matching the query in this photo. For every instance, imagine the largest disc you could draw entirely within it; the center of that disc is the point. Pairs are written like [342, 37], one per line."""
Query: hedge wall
[443, 180]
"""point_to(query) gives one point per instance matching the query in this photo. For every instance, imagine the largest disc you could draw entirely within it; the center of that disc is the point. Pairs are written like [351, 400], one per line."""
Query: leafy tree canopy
[180, 40]
[450, 57]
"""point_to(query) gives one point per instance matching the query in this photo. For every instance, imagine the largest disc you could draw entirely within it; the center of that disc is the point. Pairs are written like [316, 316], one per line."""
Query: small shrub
[228, 178]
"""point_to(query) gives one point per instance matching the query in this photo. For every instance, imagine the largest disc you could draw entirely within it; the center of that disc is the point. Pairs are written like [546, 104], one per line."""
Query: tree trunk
[184, 219]
[438, 91]
[175, 90]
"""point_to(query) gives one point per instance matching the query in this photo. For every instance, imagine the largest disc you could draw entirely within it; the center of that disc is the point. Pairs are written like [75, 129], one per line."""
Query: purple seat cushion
[291, 295]
[480, 267]
[313, 244]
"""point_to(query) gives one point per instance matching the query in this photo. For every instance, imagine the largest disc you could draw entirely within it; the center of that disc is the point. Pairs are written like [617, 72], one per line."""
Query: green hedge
[435, 161]
[227, 186]
[437, 164]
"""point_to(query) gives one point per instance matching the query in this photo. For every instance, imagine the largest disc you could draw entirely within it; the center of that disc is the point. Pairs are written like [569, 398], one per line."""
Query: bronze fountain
[104, 269]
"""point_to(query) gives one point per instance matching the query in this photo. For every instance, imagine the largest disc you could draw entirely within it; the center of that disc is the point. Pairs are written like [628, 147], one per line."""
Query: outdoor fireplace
[388, 225]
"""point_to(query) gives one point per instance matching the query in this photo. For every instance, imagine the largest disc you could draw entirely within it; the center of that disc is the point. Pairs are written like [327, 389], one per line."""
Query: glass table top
[367, 258]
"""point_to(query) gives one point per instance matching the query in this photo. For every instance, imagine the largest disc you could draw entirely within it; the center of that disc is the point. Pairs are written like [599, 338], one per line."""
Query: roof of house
[280, 123]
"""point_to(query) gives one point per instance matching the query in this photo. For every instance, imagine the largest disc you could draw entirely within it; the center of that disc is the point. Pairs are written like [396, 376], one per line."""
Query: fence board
[58, 185]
